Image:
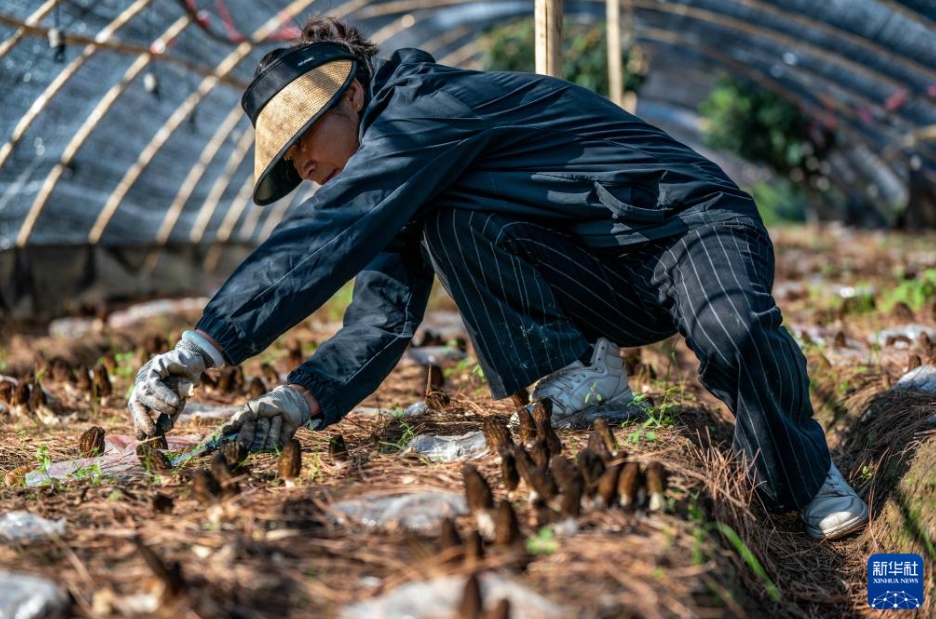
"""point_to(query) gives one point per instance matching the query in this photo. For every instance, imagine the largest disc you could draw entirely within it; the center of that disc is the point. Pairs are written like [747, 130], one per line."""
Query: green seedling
[43, 459]
[749, 558]
[409, 433]
[43, 462]
[91, 473]
[125, 365]
[543, 543]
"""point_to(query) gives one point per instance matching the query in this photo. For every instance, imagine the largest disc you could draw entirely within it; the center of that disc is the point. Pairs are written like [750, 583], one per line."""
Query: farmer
[561, 225]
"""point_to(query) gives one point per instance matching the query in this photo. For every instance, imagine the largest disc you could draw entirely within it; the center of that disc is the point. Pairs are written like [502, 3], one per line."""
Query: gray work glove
[166, 380]
[268, 422]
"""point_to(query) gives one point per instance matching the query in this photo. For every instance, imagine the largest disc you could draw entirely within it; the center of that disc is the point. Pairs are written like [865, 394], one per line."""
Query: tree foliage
[584, 54]
[758, 125]
[762, 127]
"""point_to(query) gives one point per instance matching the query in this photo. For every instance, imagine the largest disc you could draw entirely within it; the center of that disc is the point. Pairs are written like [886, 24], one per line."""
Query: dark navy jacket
[433, 136]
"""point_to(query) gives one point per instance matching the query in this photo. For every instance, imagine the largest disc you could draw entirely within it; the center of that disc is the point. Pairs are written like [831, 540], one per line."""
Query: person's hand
[166, 380]
[268, 422]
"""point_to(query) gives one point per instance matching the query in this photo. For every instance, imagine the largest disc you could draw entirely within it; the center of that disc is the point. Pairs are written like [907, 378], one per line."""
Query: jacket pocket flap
[631, 202]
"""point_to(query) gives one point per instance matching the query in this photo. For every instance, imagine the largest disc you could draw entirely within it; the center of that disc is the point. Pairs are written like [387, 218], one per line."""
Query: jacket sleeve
[415, 147]
[389, 301]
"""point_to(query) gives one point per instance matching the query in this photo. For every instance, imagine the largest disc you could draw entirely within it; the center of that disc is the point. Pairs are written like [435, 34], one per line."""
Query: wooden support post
[628, 98]
[615, 68]
[549, 37]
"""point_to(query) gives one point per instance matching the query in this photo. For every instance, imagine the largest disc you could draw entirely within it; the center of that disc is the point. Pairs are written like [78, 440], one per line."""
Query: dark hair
[268, 59]
[321, 28]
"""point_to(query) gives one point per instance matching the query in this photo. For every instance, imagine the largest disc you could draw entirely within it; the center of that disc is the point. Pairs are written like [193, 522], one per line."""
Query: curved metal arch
[241, 148]
[207, 156]
[687, 39]
[275, 212]
[802, 95]
[231, 215]
[845, 86]
[911, 111]
[816, 108]
[84, 130]
[37, 16]
[688, 11]
[255, 228]
[888, 132]
[252, 218]
[833, 31]
[187, 187]
[705, 15]
[792, 86]
[462, 55]
[124, 48]
[897, 7]
[162, 135]
[782, 37]
[826, 76]
[446, 39]
[26, 120]
[220, 135]
[922, 8]
[799, 93]
[869, 90]
[724, 59]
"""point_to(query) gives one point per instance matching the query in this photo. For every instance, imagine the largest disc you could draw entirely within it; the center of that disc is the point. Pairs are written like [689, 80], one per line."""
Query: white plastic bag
[447, 448]
[439, 597]
[19, 527]
[419, 511]
[23, 596]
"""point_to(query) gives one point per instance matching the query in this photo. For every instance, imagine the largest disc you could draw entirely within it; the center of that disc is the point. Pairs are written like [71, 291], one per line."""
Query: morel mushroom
[91, 442]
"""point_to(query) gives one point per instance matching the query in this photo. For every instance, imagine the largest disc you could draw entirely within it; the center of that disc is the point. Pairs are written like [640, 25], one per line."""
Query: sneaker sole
[618, 410]
[852, 526]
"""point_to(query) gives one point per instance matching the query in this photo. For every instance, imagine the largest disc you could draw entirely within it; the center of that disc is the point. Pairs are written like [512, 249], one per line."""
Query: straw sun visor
[287, 115]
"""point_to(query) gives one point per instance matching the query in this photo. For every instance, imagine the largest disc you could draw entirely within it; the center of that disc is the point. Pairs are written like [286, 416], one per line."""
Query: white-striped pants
[534, 298]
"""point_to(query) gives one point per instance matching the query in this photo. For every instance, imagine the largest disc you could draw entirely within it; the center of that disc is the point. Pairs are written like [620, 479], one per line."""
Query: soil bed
[282, 549]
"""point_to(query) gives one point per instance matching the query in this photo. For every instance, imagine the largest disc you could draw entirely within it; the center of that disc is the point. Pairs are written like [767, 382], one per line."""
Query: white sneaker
[581, 394]
[836, 510]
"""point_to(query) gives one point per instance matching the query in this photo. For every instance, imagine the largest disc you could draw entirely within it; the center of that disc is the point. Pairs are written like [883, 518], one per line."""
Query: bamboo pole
[615, 68]
[628, 98]
[548, 30]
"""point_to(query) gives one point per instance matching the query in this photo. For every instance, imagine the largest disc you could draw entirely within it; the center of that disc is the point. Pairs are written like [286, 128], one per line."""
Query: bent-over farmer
[561, 225]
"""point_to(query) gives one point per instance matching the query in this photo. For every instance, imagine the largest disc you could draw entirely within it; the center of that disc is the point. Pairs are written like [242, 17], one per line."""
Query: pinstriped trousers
[534, 298]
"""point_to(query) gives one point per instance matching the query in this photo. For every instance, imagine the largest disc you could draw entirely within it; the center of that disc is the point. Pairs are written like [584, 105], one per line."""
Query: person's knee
[724, 333]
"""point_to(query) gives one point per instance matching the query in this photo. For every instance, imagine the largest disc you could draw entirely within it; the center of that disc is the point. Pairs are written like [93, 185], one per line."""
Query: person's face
[322, 152]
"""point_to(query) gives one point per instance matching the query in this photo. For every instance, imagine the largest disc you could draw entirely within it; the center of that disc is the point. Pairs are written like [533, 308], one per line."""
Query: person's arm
[390, 297]
[415, 146]
[389, 300]
[412, 152]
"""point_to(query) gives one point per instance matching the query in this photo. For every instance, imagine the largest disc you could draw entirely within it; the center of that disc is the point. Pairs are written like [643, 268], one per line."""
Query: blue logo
[895, 582]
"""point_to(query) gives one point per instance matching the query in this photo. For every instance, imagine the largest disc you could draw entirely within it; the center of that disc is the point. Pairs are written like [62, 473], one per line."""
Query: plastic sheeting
[23, 527]
[419, 511]
[439, 597]
[24, 596]
[131, 137]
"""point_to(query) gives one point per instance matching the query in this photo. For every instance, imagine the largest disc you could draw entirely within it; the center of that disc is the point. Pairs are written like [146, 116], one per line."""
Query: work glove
[268, 422]
[166, 380]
